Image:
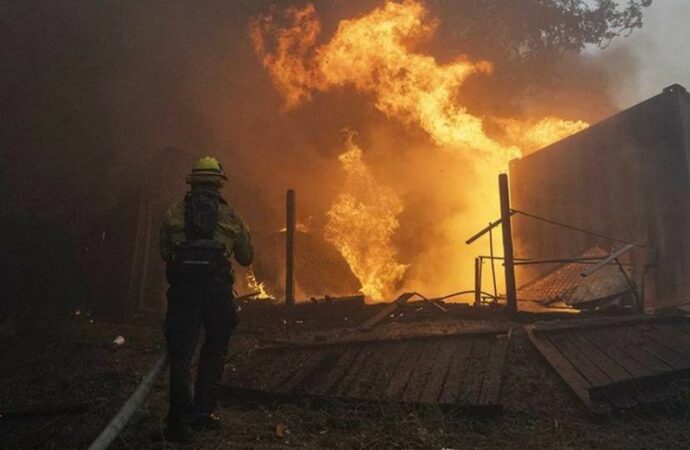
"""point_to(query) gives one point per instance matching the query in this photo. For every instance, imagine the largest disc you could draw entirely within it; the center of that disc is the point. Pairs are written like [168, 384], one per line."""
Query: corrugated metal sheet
[565, 284]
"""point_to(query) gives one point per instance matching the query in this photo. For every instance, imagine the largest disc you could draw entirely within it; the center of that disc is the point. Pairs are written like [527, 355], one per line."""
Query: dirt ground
[74, 364]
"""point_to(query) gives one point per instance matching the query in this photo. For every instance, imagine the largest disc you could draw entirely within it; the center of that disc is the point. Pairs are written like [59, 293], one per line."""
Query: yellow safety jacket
[231, 231]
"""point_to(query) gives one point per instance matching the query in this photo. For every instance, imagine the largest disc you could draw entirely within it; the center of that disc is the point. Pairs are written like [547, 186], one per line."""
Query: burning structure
[430, 114]
[268, 88]
[625, 177]
[395, 198]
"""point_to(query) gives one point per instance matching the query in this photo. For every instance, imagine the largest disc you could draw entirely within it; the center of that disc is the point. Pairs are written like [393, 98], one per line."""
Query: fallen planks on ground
[461, 372]
[617, 363]
[387, 310]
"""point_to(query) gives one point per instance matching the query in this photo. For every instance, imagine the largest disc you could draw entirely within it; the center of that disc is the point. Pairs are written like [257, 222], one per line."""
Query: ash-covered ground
[75, 365]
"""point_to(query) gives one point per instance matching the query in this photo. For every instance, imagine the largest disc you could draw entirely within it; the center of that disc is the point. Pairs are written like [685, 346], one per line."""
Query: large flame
[361, 223]
[376, 55]
[530, 136]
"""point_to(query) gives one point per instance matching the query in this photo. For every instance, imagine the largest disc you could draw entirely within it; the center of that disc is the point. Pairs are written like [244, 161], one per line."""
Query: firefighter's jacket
[231, 231]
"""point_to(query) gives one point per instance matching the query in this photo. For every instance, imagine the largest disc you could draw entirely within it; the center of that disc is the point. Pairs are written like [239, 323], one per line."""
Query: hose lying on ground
[132, 405]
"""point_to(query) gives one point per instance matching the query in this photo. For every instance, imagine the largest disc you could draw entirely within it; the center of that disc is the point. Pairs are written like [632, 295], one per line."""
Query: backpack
[201, 213]
[200, 257]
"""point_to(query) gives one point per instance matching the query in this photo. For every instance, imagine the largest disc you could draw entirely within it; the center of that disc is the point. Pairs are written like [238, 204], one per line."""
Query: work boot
[181, 434]
[209, 421]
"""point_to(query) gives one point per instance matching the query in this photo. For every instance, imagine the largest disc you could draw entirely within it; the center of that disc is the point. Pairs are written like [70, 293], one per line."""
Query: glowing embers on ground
[361, 224]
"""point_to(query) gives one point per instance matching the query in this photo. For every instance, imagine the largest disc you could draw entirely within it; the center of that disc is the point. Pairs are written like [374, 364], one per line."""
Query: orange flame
[531, 136]
[375, 54]
[255, 286]
[361, 223]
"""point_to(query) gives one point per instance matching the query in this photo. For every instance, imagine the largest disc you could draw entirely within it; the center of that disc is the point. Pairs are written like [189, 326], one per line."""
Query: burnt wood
[617, 363]
[455, 371]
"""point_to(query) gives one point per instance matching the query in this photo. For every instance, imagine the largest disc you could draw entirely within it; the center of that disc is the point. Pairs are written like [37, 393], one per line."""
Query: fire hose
[131, 406]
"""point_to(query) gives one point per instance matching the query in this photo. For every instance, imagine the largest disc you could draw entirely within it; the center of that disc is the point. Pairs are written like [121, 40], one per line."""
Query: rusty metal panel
[565, 284]
[627, 177]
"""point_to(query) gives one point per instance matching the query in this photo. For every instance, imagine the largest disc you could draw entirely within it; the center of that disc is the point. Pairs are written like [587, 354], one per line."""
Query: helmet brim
[206, 178]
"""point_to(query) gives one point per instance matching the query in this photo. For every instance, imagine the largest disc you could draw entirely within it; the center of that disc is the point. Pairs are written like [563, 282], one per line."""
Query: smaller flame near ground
[361, 223]
[255, 286]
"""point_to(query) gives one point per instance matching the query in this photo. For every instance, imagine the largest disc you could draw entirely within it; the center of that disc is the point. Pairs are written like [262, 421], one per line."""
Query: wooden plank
[565, 369]
[354, 372]
[593, 374]
[389, 364]
[634, 343]
[679, 329]
[472, 381]
[313, 363]
[422, 371]
[402, 374]
[602, 360]
[290, 247]
[452, 386]
[254, 371]
[619, 399]
[641, 384]
[670, 336]
[386, 311]
[631, 358]
[659, 345]
[331, 379]
[282, 370]
[508, 263]
[439, 371]
[491, 382]
[627, 352]
[605, 322]
[378, 335]
[234, 394]
[684, 327]
[246, 369]
[633, 367]
[379, 361]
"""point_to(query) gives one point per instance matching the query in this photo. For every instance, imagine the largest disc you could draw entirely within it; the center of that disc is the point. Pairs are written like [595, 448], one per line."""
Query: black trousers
[191, 306]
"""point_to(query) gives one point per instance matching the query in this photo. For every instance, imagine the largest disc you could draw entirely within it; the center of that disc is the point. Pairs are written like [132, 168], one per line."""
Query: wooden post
[511, 294]
[289, 248]
[477, 282]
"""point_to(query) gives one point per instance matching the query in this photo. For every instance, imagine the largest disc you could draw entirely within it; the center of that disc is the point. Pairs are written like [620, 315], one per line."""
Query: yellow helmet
[207, 171]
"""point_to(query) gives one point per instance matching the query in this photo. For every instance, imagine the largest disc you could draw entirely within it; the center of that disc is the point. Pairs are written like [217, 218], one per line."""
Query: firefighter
[198, 237]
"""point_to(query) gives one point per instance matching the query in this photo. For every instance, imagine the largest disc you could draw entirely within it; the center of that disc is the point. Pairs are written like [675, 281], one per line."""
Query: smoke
[91, 92]
[655, 55]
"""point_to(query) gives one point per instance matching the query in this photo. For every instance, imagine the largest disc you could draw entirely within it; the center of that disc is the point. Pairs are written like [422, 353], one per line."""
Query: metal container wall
[627, 177]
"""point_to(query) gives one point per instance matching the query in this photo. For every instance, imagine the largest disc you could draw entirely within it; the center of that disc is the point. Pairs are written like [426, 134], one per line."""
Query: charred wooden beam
[290, 248]
[486, 229]
[387, 310]
[506, 214]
